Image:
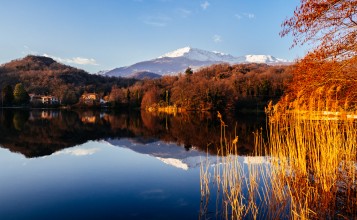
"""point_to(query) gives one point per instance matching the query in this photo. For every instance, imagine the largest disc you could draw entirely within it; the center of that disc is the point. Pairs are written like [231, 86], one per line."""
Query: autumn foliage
[221, 86]
[331, 25]
[326, 78]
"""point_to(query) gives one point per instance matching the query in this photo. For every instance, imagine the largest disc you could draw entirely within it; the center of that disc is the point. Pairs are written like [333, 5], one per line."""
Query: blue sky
[103, 34]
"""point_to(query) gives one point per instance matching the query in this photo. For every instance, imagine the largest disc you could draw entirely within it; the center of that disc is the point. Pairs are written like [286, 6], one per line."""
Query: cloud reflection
[78, 151]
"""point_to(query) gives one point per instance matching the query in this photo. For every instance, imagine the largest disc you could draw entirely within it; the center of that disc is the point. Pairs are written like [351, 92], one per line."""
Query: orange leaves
[331, 25]
[330, 82]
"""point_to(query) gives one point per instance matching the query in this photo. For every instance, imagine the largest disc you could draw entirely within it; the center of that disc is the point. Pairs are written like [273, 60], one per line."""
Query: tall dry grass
[317, 161]
[308, 171]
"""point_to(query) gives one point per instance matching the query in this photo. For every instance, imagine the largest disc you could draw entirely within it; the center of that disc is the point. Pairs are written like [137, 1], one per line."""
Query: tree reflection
[19, 119]
[38, 133]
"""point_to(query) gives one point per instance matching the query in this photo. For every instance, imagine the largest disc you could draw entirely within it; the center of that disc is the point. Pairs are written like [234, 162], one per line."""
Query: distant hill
[31, 62]
[43, 75]
[145, 75]
[177, 61]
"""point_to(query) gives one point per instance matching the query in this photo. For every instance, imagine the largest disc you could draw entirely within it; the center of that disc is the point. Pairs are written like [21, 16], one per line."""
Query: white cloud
[78, 151]
[83, 61]
[184, 13]
[245, 15]
[75, 60]
[238, 16]
[157, 21]
[217, 38]
[205, 5]
[249, 15]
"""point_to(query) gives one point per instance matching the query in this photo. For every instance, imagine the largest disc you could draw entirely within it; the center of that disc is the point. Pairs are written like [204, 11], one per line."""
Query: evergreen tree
[20, 94]
[7, 95]
[188, 71]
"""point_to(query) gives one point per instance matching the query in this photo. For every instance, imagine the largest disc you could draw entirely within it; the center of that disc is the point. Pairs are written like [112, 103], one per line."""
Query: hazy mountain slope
[145, 75]
[161, 66]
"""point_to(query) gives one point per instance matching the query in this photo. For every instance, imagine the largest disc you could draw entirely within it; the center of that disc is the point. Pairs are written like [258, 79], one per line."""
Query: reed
[308, 171]
[205, 177]
[320, 157]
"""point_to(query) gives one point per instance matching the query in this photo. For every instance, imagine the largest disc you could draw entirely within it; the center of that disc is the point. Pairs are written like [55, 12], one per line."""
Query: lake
[61, 164]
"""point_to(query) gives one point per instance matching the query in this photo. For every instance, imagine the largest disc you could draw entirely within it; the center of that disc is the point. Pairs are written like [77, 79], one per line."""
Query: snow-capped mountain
[177, 61]
[203, 55]
[200, 55]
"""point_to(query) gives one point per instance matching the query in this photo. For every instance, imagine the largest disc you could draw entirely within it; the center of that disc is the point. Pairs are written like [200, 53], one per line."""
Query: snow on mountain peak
[200, 55]
[263, 59]
[177, 53]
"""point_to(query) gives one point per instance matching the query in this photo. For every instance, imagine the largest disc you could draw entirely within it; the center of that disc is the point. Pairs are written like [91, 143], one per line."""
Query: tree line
[221, 86]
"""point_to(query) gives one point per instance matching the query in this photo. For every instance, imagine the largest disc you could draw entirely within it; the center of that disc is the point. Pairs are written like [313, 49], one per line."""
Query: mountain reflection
[38, 133]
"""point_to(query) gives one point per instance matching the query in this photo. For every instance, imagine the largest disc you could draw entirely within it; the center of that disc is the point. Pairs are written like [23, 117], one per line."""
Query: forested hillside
[222, 86]
[43, 75]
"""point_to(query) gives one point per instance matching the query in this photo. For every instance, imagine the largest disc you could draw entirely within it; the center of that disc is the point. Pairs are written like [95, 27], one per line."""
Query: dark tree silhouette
[7, 95]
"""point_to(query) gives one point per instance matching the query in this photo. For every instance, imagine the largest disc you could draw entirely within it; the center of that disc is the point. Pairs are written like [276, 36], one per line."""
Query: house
[44, 99]
[49, 100]
[90, 99]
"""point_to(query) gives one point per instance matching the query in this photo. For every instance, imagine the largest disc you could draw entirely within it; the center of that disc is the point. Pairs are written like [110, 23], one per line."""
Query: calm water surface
[100, 165]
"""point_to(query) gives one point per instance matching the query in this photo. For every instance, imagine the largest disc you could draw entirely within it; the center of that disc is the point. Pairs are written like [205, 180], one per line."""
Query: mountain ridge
[178, 60]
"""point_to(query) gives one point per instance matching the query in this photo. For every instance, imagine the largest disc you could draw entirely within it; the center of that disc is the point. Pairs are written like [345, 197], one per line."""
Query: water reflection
[99, 166]
[95, 180]
[43, 132]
